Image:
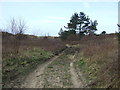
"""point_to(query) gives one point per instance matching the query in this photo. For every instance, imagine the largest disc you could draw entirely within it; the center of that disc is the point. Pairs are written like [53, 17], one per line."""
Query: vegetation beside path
[95, 59]
[98, 61]
[22, 64]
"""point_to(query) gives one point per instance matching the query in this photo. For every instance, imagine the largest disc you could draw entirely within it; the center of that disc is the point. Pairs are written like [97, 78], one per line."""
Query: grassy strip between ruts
[57, 75]
[22, 64]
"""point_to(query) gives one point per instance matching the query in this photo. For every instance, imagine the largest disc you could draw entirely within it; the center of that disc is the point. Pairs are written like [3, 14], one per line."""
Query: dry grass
[47, 43]
[98, 60]
[97, 57]
[32, 51]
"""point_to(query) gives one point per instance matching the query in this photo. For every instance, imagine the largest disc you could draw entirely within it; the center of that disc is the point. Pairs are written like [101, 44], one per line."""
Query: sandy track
[35, 79]
[74, 76]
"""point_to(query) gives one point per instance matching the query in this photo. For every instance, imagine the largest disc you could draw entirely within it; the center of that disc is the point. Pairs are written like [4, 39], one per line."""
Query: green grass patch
[22, 64]
[81, 63]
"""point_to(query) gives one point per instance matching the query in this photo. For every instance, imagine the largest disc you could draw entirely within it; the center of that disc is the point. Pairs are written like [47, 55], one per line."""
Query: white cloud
[58, 18]
[42, 21]
[86, 4]
[47, 21]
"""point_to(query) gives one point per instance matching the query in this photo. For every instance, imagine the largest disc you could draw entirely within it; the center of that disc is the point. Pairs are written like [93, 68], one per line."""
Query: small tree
[17, 28]
[82, 23]
[103, 32]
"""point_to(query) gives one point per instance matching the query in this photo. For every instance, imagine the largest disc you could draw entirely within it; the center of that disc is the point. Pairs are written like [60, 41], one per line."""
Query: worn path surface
[74, 77]
[36, 77]
[59, 72]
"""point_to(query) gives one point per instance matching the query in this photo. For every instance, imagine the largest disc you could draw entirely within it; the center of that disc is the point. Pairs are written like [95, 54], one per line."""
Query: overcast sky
[43, 18]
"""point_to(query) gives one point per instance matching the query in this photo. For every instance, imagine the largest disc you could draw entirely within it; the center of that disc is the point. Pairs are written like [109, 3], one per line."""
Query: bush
[64, 34]
[103, 32]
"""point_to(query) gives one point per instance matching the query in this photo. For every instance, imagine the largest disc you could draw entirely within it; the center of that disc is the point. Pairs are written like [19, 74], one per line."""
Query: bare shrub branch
[17, 28]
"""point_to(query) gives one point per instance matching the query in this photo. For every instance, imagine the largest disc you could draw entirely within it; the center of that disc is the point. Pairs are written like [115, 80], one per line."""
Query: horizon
[46, 18]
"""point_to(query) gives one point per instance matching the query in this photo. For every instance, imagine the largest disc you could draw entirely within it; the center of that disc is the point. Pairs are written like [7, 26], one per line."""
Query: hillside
[52, 63]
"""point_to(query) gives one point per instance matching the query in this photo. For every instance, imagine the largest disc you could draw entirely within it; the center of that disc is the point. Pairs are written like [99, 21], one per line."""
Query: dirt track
[35, 79]
[74, 77]
[59, 72]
